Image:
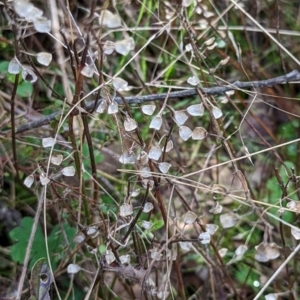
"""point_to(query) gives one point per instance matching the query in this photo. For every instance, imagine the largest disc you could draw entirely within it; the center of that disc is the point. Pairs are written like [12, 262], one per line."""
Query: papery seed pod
[130, 124]
[155, 153]
[108, 19]
[196, 110]
[148, 109]
[185, 132]
[156, 122]
[180, 117]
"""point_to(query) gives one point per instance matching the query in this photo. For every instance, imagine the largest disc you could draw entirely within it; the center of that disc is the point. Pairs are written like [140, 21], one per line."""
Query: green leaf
[25, 89]
[21, 235]
[157, 224]
[56, 242]
[4, 66]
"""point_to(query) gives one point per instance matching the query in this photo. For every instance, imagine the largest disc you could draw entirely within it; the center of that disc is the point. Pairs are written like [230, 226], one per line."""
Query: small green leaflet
[56, 242]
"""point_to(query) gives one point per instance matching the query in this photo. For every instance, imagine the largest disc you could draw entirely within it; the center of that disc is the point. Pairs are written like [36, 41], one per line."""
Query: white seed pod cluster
[32, 14]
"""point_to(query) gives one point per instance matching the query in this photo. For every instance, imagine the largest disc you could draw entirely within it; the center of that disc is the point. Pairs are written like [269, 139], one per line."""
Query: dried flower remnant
[42, 25]
[148, 183]
[209, 41]
[88, 71]
[92, 231]
[156, 123]
[224, 61]
[135, 193]
[130, 124]
[120, 84]
[148, 207]
[23, 8]
[68, 171]
[126, 210]
[208, 14]
[102, 107]
[125, 259]
[180, 117]
[44, 58]
[199, 133]
[73, 269]
[186, 3]
[29, 180]
[193, 81]
[189, 218]
[188, 48]
[79, 238]
[123, 47]
[155, 153]
[29, 75]
[14, 67]
[169, 146]
[108, 19]
[294, 205]
[271, 296]
[186, 246]
[56, 159]
[113, 108]
[155, 255]
[108, 47]
[238, 255]
[127, 158]
[266, 252]
[216, 209]
[211, 228]
[44, 179]
[146, 224]
[223, 252]
[196, 110]
[228, 220]
[204, 238]
[35, 13]
[217, 112]
[148, 109]
[48, 142]
[295, 231]
[185, 132]
[143, 158]
[164, 167]
[109, 257]
[145, 172]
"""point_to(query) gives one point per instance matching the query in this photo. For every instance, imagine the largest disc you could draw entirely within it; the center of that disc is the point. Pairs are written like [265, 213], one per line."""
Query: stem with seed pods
[185, 93]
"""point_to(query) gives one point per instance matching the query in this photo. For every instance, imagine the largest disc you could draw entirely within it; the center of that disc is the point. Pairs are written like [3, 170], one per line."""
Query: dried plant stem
[185, 93]
[278, 271]
[30, 242]
[12, 106]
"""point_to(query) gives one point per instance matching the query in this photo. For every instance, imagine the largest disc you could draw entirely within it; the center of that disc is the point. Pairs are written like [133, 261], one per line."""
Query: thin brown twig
[185, 93]
[30, 243]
